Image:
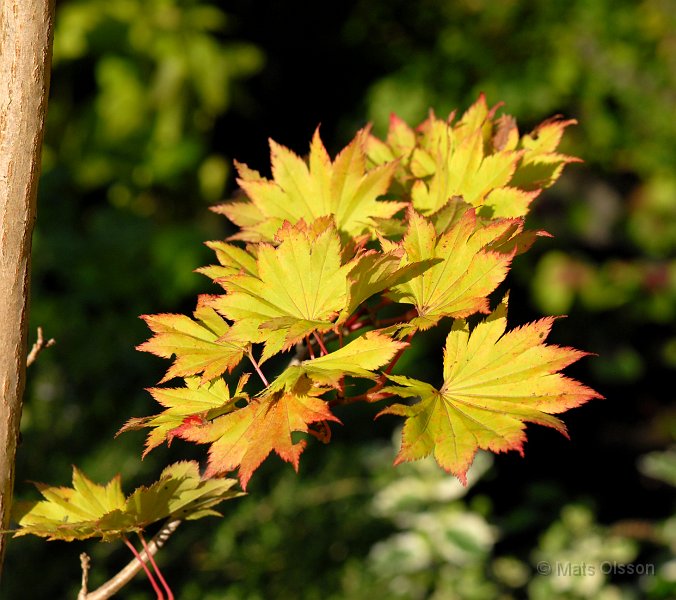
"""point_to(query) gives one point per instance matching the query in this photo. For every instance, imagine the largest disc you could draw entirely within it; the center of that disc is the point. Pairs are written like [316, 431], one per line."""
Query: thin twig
[84, 563]
[123, 577]
[38, 347]
[397, 356]
[310, 349]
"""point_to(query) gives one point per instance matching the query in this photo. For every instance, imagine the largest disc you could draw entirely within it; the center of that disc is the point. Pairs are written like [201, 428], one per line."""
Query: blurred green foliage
[150, 101]
[138, 86]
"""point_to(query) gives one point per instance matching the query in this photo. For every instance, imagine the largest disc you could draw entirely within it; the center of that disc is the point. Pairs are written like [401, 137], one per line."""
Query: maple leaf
[180, 492]
[508, 202]
[462, 169]
[359, 358]
[91, 510]
[457, 286]
[189, 404]
[301, 286]
[541, 165]
[493, 382]
[344, 188]
[247, 436]
[232, 259]
[205, 345]
[480, 159]
[374, 272]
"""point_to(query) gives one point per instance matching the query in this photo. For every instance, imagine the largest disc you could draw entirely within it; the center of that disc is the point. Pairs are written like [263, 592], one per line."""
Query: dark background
[151, 100]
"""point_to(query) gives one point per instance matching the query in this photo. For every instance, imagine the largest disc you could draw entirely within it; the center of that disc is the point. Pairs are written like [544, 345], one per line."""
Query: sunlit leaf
[301, 286]
[345, 189]
[493, 383]
[91, 510]
[192, 403]
[203, 345]
[467, 273]
[244, 438]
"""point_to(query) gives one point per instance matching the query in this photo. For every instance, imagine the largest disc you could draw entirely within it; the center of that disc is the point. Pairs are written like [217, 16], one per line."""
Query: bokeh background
[150, 102]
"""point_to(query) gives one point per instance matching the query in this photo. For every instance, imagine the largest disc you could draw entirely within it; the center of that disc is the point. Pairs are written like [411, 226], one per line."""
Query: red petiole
[158, 591]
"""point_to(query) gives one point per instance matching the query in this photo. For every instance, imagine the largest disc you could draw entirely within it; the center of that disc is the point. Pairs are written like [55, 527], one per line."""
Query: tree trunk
[25, 60]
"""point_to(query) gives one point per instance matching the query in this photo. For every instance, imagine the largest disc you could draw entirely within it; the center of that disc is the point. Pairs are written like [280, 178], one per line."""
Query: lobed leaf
[493, 383]
[467, 273]
[189, 404]
[91, 510]
[243, 439]
[205, 345]
[345, 189]
[300, 287]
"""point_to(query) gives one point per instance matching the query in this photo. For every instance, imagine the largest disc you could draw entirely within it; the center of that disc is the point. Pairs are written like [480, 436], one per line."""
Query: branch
[123, 577]
[38, 347]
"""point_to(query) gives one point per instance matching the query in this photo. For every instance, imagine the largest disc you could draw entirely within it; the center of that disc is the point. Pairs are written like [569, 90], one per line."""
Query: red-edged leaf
[204, 345]
[345, 189]
[467, 273]
[493, 383]
[245, 438]
[193, 404]
[300, 287]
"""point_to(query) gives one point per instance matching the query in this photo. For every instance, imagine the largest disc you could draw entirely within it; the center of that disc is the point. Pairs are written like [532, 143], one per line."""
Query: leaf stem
[397, 356]
[126, 574]
[321, 343]
[258, 369]
[310, 349]
[163, 581]
[355, 317]
[158, 591]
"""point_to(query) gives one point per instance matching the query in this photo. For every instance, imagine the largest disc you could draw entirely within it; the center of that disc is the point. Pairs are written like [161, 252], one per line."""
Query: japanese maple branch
[38, 347]
[123, 577]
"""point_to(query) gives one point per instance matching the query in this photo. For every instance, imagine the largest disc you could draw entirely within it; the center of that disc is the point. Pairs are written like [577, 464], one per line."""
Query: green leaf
[243, 439]
[192, 403]
[493, 382]
[204, 345]
[467, 273]
[231, 258]
[301, 287]
[91, 510]
[359, 358]
[344, 189]
[375, 272]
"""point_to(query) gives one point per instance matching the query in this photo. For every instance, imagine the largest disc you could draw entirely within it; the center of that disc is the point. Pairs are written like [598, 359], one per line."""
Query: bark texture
[25, 60]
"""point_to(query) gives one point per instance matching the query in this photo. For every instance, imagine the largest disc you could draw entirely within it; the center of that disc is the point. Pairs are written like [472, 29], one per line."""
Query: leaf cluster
[341, 262]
